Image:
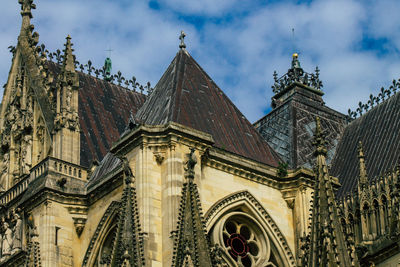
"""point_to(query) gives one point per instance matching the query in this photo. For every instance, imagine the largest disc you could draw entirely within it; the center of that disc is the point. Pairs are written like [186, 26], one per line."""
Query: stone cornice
[168, 134]
[159, 138]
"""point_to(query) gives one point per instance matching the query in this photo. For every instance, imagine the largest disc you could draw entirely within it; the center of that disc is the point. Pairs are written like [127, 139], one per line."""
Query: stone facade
[143, 204]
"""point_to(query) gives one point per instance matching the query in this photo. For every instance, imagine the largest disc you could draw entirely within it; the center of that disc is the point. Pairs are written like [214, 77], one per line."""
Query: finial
[360, 150]
[319, 139]
[69, 61]
[107, 69]
[190, 163]
[182, 38]
[26, 7]
[295, 61]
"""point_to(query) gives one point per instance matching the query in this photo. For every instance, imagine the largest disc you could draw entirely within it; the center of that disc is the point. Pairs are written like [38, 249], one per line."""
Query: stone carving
[4, 171]
[68, 98]
[40, 137]
[10, 236]
[190, 163]
[7, 240]
[17, 238]
[26, 154]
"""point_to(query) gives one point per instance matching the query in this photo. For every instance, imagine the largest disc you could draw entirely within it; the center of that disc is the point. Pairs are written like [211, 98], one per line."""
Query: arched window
[246, 233]
[244, 240]
[100, 247]
[367, 230]
[385, 221]
[377, 218]
[103, 258]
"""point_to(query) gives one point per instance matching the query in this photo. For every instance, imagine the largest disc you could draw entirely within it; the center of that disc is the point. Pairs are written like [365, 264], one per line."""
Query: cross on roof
[182, 37]
[109, 52]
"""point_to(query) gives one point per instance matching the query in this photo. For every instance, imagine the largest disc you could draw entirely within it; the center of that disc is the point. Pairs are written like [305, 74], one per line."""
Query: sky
[238, 43]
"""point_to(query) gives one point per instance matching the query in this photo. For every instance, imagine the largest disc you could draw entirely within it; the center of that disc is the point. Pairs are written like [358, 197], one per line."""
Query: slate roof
[378, 129]
[104, 110]
[107, 165]
[186, 95]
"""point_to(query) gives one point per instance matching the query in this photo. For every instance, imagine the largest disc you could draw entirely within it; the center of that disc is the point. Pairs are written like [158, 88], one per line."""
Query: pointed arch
[244, 201]
[104, 227]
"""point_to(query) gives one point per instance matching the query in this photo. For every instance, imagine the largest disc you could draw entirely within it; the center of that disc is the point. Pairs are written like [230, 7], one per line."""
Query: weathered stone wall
[159, 184]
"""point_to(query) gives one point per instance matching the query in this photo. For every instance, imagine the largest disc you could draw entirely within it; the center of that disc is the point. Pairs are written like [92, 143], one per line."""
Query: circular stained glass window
[243, 239]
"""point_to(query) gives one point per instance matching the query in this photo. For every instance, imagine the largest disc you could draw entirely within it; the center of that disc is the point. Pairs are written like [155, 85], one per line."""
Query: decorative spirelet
[296, 74]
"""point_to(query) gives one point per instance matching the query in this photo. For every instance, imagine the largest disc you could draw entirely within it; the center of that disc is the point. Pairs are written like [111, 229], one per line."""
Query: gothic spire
[128, 246]
[191, 246]
[69, 58]
[328, 246]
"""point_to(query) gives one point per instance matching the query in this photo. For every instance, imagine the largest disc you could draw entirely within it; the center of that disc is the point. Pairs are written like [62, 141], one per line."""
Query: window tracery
[243, 240]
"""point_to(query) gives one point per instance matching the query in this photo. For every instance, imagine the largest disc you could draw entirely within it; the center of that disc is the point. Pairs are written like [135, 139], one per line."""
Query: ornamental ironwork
[383, 95]
[296, 74]
[88, 68]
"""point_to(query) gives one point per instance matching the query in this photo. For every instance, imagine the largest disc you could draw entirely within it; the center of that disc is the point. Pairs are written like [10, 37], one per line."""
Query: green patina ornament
[107, 68]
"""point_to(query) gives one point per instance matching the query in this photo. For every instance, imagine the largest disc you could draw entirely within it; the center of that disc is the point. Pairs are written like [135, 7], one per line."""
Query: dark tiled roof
[186, 95]
[104, 110]
[378, 130]
[107, 165]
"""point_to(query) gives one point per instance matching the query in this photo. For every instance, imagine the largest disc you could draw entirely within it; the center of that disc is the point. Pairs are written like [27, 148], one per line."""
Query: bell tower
[289, 127]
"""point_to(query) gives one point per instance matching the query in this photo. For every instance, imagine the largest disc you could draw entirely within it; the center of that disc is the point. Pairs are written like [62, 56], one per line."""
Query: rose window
[243, 239]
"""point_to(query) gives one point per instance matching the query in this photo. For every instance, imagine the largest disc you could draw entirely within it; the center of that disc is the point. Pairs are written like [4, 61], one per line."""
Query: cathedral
[99, 170]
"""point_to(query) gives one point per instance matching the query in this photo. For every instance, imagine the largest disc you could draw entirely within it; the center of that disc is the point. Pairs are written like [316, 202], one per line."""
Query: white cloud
[237, 44]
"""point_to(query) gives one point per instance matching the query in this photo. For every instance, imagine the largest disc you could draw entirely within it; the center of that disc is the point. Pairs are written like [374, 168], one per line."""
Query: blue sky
[239, 43]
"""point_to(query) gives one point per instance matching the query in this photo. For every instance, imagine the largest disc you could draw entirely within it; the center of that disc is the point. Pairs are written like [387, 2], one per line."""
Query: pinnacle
[319, 139]
[26, 7]
[69, 60]
[363, 172]
[360, 150]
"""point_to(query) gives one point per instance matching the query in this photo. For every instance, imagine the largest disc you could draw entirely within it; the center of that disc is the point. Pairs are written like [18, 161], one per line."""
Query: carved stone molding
[79, 216]
[290, 202]
[159, 156]
[79, 224]
[211, 214]
[111, 211]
